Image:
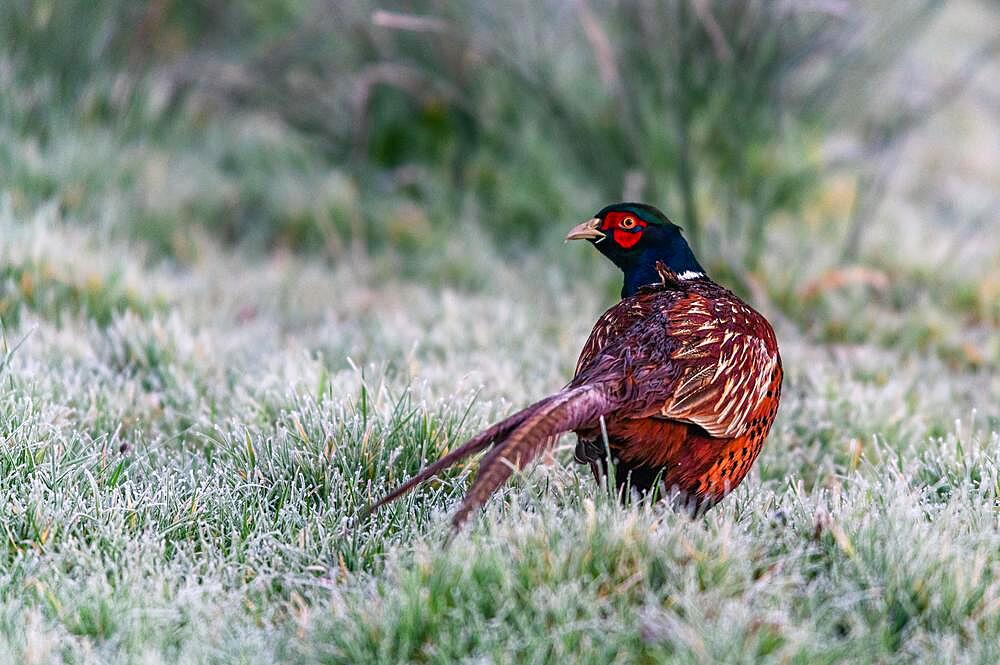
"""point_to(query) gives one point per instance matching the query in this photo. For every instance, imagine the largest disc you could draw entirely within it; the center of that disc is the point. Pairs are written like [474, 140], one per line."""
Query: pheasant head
[636, 237]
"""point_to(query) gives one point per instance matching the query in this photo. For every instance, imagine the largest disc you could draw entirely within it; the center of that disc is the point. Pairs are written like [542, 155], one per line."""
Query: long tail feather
[563, 412]
[497, 432]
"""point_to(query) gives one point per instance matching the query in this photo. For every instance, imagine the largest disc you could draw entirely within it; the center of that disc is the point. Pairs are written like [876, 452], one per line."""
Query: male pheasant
[680, 380]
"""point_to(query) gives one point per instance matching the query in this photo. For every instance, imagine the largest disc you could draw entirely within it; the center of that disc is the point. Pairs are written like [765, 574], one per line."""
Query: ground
[185, 451]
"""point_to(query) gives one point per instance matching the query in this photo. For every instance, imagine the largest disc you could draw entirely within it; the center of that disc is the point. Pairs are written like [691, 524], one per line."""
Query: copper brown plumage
[706, 379]
[679, 381]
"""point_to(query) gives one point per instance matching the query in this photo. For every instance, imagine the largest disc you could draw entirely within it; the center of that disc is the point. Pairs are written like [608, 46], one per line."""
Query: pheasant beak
[586, 231]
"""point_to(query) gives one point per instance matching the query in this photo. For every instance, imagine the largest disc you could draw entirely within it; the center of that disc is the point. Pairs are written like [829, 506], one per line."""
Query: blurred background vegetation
[408, 131]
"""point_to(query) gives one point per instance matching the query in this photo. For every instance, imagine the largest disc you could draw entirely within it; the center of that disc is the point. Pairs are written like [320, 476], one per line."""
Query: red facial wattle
[624, 228]
[627, 239]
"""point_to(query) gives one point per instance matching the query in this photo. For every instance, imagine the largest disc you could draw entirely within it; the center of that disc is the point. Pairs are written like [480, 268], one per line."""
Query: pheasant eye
[628, 223]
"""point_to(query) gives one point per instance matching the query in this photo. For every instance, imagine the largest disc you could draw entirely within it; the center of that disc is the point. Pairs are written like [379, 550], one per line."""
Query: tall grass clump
[364, 126]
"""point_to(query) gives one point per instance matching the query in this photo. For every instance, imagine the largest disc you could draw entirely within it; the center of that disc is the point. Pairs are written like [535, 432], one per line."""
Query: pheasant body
[679, 381]
[705, 376]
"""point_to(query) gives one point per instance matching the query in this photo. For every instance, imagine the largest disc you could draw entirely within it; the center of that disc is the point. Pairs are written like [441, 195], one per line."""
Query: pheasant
[676, 388]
